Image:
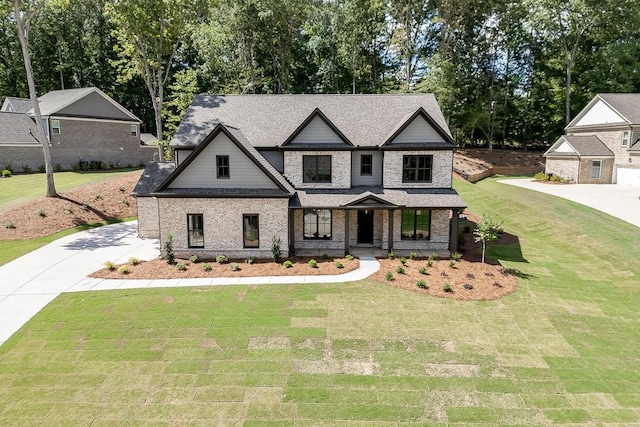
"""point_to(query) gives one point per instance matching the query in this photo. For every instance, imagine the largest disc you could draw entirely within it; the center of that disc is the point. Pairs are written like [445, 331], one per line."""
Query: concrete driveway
[620, 201]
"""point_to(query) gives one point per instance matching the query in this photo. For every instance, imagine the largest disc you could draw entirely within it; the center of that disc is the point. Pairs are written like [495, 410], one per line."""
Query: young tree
[486, 231]
[23, 16]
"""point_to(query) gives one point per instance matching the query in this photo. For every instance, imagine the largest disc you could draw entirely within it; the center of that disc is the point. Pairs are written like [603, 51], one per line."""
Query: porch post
[390, 237]
[347, 245]
[292, 228]
[453, 238]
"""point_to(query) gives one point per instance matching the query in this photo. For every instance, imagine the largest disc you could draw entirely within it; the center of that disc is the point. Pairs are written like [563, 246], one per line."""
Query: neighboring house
[601, 145]
[322, 173]
[82, 127]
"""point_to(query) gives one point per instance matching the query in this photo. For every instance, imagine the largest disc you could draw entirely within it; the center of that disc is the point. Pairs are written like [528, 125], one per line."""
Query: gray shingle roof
[588, 145]
[17, 128]
[627, 104]
[153, 175]
[57, 99]
[409, 198]
[268, 120]
[16, 105]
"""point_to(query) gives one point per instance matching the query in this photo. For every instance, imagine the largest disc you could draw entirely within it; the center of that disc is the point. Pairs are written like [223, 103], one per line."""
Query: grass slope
[562, 349]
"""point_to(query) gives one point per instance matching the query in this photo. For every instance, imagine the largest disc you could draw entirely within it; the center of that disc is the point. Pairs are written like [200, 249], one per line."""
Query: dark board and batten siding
[376, 176]
[244, 173]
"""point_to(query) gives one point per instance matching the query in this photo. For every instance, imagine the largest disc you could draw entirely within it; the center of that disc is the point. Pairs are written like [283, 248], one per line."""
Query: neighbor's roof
[588, 145]
[57, 100]
[18, 129]
[268, 120]
[409, 198]
[16, 105]
[153, 175]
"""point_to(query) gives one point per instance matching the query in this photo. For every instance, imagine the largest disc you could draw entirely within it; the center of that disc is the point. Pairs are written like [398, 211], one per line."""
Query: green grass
[22, 188]
[563, 349]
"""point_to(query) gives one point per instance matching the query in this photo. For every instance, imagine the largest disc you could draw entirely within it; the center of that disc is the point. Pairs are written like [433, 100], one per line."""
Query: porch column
[347, 244]
[390, 231]
[453, 238]
[292, 237]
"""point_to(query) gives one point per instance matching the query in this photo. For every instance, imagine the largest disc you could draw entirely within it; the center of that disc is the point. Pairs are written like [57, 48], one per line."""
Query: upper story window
[195, 230]
[366, 165]
[55, 127]
[316, 169]
[134, 130]
[417, 168]
[626, 136]
[222, 166]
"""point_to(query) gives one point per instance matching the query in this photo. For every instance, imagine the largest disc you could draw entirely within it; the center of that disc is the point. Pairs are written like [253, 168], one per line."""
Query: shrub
[249, 260]
[168, 254]
[413, 255]
[422, 284]
[84, 207]
[338, 264]
[98, 197]
[403, 260]
[556, 178]
[206, 266]
[181, 266]
[313, 263]
[391, 255]
[133, 261]
[389, 276]
[9, 225]
[446, 287]
[194, 259]
[221, 259]
[429, 263]
[456, 256]
[287, 264]
[422, 270]
[123, 269]
[434, 256]
[276, 252]
[468, 286]
[6, 173]
[324, 256]
[541, 176]
[452, 263]
[349, 257]
[234, 266]
[400, 269]
[9, 168]
[110, 265]
[26, 168]
[121, 188]
[42, 213]
[42, 168]
[57, 167]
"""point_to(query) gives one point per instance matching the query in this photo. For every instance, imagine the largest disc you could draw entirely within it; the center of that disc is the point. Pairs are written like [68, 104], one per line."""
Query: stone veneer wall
[439, 240]
[441, 175]
[223, 225]
[378, 226]
[340, 168]
[564, 167]
[337, 232]
[606, 171]
[147, 217]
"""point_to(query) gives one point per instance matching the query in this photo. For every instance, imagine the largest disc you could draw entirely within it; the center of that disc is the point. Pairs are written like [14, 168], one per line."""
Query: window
[416, 168]
[317, 224]
[251, 231]
[55, 127]
[366, 164]
[316, 169]
[195, 227]
[416, 224]
[626, 136]
[596, 166]
[134, 130]
[222, 163]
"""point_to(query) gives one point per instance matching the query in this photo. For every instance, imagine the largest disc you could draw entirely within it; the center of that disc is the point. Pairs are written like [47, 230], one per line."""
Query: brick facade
[441, 169]
[439, 238]
[148, 217]
[606, 171]
[340, 168]
[567, 168]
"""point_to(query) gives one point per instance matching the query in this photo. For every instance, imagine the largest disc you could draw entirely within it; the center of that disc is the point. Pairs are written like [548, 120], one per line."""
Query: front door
[365, 226]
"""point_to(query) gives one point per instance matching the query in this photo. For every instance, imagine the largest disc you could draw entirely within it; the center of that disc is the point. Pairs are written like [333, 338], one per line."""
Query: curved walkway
[30, 282]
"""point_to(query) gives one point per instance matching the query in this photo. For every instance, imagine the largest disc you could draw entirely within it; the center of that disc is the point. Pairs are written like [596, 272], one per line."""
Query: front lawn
[562, 349]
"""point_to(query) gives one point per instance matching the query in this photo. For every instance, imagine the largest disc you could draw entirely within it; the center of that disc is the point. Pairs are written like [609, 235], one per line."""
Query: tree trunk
[24, 38]
[567, 101]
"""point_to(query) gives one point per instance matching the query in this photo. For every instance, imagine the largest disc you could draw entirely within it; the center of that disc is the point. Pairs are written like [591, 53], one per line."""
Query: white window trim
[134, 130]
[54, 127]
[626, 137]
[599, 169]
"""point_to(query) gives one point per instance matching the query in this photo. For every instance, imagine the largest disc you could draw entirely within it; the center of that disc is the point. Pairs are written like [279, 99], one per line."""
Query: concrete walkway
[620, 201]
[32, 281]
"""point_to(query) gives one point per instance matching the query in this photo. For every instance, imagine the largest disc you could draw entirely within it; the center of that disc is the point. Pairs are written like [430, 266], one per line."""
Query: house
[85, 128]
[322, 173]
[601, 145]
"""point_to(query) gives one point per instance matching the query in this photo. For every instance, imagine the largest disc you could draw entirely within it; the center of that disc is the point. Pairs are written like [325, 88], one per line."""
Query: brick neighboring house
[323, 173]
[81, 125]
[602, 143]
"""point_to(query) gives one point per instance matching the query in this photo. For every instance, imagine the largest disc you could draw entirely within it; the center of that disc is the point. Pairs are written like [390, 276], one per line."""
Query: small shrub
[221, 259]
[541, 176]
[68, 210]
[497, 284]
[57, 167]
[194, 259]
[249, 260]
[168, 254]
[391, 255]
[98, 197]
[349, 257]
[389, 276]
[84, 207]
[400, 269]
[413, 255]
[403, 260]
[452, 263]
[75, 167]
[133, 261]
[9, 225]
[429, 263]
[6, 173]
[468, 286]
[181, 266]
[287, 264]
[456, 256]
[446, 287]
[422, 284]
[42, 168]
[423, 270]
[9, 168]
[234, 266]
[123, 269]
[434, 256]
[42, 213]
[126, 202]
[276, 252]
[109, 265]
[324, 256]
[26, 168]
[338, 264]
[470, 276]
[313, 263]
[556, 178]
[206, 266]
[121, 188]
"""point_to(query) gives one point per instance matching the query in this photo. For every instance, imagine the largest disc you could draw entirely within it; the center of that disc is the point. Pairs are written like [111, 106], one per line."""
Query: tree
[486, 231]
[23, 17]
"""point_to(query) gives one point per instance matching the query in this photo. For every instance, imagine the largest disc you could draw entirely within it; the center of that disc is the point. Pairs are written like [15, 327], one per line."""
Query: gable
[94, 105]
[418, 131]
[599, 114]
[564, 148]
[317, 132]
[243, 172]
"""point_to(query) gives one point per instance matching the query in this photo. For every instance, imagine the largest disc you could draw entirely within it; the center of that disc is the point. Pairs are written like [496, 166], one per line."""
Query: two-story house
[83, 127]
[601, 144]
[322, 173]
